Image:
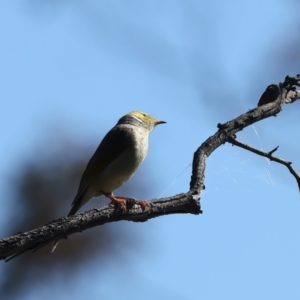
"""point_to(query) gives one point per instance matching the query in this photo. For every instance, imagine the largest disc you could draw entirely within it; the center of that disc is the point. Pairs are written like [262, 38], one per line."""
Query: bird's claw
[143, 203]
[119, 201]
[123, 202]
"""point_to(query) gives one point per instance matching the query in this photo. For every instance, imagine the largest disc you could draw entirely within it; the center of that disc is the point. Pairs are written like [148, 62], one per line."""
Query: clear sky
[80, 65]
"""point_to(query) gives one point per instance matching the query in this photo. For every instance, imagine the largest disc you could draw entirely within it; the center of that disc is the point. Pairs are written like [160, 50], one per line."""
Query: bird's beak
[159, 122]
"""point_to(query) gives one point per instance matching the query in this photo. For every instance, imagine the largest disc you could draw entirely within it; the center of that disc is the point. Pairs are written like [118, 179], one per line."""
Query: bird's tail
[55, 245]
[77, 203]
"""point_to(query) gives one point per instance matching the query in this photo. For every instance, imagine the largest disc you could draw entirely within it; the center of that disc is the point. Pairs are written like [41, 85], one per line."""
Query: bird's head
[140, 118]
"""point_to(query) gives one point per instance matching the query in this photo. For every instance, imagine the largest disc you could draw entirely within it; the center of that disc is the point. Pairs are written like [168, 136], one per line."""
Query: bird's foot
[130, 202]
[143, 203]
[123, 202]
[119, 201]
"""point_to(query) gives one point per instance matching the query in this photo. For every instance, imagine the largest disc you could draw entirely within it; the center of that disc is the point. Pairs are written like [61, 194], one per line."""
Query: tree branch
[269, 155]
[275, 97]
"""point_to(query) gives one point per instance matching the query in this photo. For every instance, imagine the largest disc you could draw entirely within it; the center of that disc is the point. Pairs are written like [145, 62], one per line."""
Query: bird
[269, 95]
[116, 159]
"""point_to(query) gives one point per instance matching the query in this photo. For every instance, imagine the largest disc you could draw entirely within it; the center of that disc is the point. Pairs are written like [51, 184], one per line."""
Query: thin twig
[269, 155]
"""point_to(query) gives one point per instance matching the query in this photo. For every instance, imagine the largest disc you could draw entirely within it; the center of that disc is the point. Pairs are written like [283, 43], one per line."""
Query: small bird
[116, 159]
[269, 95]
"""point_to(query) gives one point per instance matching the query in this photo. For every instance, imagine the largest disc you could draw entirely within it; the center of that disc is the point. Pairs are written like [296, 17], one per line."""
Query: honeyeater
[116, 159]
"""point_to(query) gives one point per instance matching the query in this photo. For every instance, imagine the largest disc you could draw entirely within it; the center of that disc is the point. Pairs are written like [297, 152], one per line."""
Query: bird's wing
[113, 144]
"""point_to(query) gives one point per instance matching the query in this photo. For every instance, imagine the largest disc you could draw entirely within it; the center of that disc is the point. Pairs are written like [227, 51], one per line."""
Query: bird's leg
[121, 202]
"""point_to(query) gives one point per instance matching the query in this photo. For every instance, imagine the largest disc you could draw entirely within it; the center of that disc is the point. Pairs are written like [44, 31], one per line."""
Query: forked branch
[269, 155]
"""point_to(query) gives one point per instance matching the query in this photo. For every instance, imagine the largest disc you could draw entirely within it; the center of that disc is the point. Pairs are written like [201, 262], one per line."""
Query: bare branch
[275, 98]
[61, 228]
[269, 155]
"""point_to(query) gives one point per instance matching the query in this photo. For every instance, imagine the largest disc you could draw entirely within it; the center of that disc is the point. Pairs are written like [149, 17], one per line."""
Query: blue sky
[80, 65]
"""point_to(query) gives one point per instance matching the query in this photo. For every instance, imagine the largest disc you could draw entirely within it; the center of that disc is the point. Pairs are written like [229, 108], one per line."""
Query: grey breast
[122, 168]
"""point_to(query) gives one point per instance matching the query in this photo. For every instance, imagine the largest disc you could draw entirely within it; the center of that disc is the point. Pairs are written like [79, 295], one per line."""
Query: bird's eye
[144, 115]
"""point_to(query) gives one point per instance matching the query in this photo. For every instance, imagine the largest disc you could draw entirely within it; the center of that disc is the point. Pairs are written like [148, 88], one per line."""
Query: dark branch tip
[272, 151]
